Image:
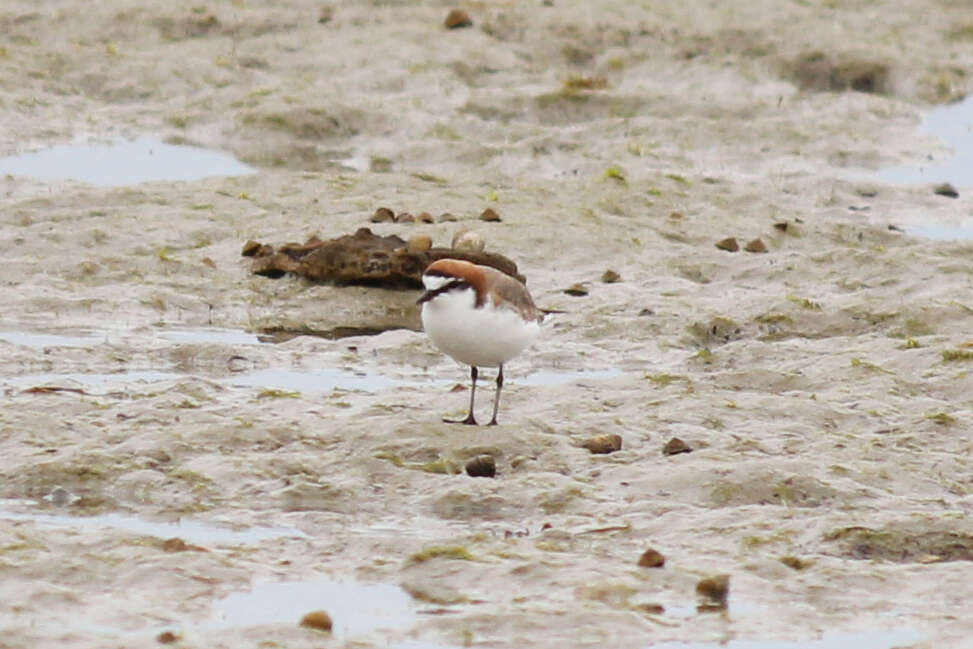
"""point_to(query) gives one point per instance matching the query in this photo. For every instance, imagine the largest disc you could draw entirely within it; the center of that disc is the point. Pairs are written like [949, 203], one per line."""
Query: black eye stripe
[456, 284]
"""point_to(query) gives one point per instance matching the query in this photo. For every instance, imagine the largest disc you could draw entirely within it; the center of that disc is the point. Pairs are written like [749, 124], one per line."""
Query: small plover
[479, 316]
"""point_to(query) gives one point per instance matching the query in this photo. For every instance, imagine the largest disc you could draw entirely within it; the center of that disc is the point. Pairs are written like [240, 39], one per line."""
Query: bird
[479, 316]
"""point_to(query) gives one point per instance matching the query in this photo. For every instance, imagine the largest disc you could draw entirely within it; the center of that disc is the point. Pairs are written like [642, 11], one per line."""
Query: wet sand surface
[167, 475]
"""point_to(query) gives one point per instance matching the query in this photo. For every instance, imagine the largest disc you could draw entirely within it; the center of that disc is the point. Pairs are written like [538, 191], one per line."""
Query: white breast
[486, 337]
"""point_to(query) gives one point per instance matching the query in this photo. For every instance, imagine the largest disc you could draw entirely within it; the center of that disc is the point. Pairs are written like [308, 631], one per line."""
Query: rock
[369, 259]
[755, 245]
[325, 15]
[60, 497]
[176, 544]
[675, 446]
[602, 444]
[714, 592]
[610, 277]
[729, 244]
[419, 243]
[447, 217]
[466, 239]
[577, 290]
[945, 189]
[482, 466]
[457, 18]
[490, 215]
[317, 620]
[250, 248]
[781, 225]
[794, 563]
[405, 217]
[383, 215]
[166, 637]
[652, 559]
[426, 217]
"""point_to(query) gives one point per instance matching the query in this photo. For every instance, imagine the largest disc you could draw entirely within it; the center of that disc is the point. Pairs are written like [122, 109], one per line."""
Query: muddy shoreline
[823, 385]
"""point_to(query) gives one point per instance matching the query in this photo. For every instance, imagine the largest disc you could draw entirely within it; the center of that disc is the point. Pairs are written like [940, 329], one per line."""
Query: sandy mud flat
[176, 469]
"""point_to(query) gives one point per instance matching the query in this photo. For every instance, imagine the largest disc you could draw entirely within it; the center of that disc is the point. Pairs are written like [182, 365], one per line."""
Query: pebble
[602, 444]
[250, 248]
[945, 189]
[714, 591]
[166, 637]
[426, 217]
[755, 246]
[447, 217]
[466, 239]
[482, 466]
[419, 243]
[652, 559]
[489, 214]
[781, 225]
[405, 217]
[577, 290]
[60, 496]
[675, 446]
[317, 620]
[457, 18]
[383, 215]
[730, 244]
[610, 277]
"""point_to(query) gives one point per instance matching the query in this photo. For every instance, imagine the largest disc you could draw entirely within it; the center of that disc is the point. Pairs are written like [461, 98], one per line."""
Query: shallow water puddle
[954, 125]
[210, 336]
[188, 530]
[124, 163]
[874, 640]
[354, 608]
[114, 381]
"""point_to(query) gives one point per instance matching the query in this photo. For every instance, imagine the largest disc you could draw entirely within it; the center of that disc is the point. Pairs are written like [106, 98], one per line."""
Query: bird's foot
[469, 421]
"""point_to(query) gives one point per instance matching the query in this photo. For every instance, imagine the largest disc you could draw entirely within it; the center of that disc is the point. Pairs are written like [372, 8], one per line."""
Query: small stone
[426, 217]
[714, 591]
[325, 15]
[468, 240]
[755, 246]
[651, 608]
[675, 446]
[730, 244]
[250, 248]
[405, 217]
[60, 497]
[945, 189]
[489, 214]
[419, 243]
[447, 217]
[795, 563]
[610, 276]
[652, 559]
[166, 637]
[782, 226]
[646, 312]
[482, 466]
[457, 18]
[577, 290]
[602, 444]
[383, 215]
[317, 620]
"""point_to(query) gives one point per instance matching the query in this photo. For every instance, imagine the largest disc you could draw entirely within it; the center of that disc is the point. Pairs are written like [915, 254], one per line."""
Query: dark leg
[496, 398]
[470, 419]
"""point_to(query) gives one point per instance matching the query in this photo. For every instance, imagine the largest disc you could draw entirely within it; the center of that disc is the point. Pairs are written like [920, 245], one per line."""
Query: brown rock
[325, 15]
[366, 258]
[426, 217]
[652, 559]
[482, 466]
[755, 246]
[489, 214]
[405, 217]
[714, 591]
[945, 189]
[419, 243]
[466, 239]
[729, 244]
[250, 248]
[166, 637]
[447, 217]
[317, 620]
[602, 444]
[176, 544]
[782, 226]
[383, 215]
[675, 446]
[457, 18]
[577, 290]
[610, 277]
